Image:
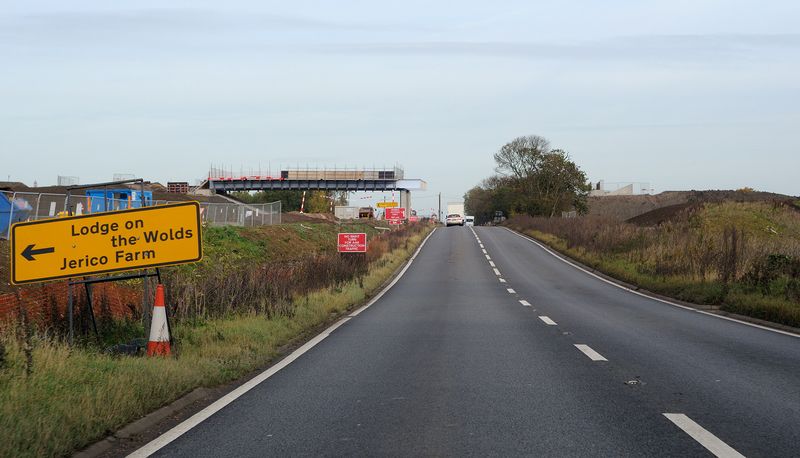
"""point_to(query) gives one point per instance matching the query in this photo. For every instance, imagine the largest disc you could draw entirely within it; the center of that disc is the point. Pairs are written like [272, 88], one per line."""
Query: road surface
[490, 346]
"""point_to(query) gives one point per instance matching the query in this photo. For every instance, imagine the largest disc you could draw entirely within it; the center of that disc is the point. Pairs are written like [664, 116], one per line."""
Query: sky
[701, 94]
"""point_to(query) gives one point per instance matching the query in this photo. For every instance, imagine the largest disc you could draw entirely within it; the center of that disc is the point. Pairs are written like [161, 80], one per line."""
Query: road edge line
[566, 260]
[180, 429]
[397, 278]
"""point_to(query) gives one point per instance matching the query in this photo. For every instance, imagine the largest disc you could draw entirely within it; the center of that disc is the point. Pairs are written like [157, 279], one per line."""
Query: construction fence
[31, 206]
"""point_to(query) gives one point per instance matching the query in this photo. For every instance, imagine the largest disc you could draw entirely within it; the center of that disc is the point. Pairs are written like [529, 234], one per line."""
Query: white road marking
[525, 303]
[491, 263]
[481, 245]
[547, 320]
[496, 272]
[562, 259]
[511, 291]
[502, 280]
[484, 252]
[488, 257]
[587, 350]
[396, 279]
[711, 442]
[174, 433]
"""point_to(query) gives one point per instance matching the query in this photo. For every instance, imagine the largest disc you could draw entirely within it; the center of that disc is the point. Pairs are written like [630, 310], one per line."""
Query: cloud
[658, 47]
[99, 28]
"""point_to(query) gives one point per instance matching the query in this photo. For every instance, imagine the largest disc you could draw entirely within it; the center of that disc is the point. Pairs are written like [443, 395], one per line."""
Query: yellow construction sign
[105, 242]
[388, 205]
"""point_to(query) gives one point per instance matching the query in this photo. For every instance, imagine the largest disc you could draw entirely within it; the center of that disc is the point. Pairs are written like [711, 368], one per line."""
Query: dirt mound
[662, 215]
[626, 207]
[297, 217]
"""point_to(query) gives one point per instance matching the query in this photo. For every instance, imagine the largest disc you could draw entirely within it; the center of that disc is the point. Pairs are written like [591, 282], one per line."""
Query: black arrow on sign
[29, 253]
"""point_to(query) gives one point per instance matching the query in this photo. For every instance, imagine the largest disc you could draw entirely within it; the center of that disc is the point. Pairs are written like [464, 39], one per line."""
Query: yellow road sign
[388, 205]
[105, 242]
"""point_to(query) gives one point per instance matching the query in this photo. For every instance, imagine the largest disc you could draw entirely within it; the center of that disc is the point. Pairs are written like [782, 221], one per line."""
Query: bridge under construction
[351, 180]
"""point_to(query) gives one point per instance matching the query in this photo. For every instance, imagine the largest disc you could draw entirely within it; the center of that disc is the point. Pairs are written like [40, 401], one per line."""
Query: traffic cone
[158, 345]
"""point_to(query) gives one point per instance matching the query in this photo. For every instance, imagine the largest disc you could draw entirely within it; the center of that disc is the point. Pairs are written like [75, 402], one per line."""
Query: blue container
[12, 212]
[116, 199]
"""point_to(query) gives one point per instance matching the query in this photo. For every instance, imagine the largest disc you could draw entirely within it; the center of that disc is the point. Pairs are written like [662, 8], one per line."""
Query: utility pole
[440, 206]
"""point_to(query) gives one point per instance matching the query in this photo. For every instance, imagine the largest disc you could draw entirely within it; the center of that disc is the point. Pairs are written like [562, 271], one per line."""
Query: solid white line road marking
[547, 320]
[587, 350]
[174, 433]
[491, 263]
[562, 259]
[496, 272]
[396, 279]
[511, 291]
[711, 442]
[525, 303]
[502, 280]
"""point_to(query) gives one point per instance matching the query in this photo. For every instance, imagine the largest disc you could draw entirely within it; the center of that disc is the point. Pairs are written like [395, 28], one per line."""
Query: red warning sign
[396, 214]
[352, 242]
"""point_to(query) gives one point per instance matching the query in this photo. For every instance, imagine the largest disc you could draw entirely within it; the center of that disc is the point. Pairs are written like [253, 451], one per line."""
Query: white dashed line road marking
[525, 303]
[491, 263]
[587, 350]
[484, 252]
[496, 272]
[489, 258]
[511, 291]
[502, 280]
[547, 320]
[711, 442]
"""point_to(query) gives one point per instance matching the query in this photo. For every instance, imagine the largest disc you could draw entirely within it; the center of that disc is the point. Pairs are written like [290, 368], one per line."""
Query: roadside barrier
[158, 345]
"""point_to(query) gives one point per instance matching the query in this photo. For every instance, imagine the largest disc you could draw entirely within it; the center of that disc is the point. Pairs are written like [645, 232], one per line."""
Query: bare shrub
[269, 288]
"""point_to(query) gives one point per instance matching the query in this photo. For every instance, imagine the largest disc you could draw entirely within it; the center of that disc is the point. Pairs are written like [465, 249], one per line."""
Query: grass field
[74, 396]
[742, 256]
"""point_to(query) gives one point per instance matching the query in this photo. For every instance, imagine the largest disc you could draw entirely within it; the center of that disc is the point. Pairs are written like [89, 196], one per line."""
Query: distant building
[620, 189]
[68, 181]
[181, 187]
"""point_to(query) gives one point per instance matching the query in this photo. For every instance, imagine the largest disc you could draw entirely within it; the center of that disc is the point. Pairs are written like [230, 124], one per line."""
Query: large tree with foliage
[531, 179]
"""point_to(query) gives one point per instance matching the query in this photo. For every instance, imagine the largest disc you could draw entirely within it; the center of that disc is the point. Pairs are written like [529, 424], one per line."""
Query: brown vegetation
[742, 256]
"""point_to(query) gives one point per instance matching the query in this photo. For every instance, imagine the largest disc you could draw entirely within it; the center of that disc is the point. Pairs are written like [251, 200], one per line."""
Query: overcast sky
[681, 94]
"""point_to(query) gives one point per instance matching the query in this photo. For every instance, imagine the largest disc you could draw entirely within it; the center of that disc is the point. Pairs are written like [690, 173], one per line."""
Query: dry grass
[74, 396]
[742, 256]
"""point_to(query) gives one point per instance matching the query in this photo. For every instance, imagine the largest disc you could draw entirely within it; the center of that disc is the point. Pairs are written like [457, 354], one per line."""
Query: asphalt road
[452, 362]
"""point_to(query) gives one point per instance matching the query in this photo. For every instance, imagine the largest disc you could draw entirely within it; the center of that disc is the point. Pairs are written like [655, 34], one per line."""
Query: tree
[522, 156]
[532, 179]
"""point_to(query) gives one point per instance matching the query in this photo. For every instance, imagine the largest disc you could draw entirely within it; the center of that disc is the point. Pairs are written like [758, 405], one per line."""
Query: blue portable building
[116, 199]
[12, 212]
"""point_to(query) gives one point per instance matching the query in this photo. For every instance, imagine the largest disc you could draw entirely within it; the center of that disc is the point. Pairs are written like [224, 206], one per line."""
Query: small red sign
[352, 242]
[396, 222]
[395, 214]
[413, 219]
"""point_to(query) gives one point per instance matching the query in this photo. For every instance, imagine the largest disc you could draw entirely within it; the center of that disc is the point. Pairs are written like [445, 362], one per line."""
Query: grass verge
[74, 396]
[733, 298]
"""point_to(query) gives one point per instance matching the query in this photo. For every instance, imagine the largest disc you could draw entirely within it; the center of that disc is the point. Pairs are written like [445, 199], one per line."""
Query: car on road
[454, 219]
[469, 220]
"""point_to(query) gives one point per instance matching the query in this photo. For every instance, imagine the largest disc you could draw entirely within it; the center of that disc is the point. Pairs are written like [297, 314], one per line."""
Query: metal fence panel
[32, 206]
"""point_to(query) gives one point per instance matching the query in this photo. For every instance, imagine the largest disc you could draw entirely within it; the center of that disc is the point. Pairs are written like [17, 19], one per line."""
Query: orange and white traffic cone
[158, 345]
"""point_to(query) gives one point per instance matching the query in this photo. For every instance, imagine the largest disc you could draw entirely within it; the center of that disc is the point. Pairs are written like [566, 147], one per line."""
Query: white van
[469, 220]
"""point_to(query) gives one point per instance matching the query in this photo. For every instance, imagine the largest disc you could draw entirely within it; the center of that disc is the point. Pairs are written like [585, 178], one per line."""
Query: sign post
[106, 242]
[352, 242]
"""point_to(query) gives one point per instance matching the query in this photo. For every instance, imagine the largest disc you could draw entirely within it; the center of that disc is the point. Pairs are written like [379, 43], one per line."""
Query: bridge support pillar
[405, 201]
